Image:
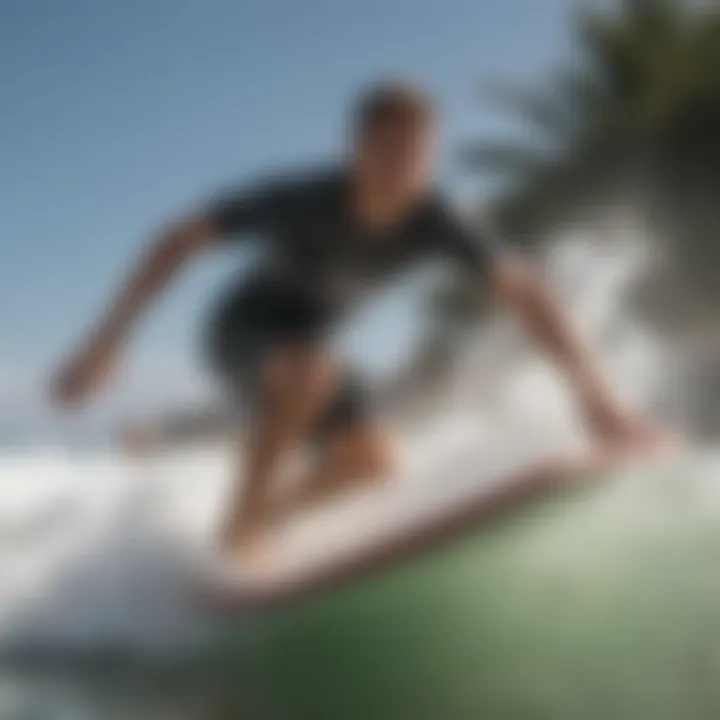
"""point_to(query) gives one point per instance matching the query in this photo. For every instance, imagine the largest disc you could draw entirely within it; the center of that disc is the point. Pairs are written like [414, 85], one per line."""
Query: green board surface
[601, 605]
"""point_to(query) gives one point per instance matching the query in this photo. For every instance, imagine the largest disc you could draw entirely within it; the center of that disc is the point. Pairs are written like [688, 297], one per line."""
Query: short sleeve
[254, 208]
[465, 240]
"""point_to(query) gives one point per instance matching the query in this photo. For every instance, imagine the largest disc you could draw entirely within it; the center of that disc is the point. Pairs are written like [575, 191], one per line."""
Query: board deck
[382, 547]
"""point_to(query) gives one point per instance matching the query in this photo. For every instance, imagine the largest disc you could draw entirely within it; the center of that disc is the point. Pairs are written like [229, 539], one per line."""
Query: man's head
[393, 136]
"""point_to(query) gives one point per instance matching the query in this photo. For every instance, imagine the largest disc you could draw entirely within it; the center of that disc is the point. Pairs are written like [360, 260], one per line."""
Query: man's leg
[295, 386]
[351, 457]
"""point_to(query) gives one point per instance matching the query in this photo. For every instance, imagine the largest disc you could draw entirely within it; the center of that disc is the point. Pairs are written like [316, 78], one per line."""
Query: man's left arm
[519, 287]
[482, 253]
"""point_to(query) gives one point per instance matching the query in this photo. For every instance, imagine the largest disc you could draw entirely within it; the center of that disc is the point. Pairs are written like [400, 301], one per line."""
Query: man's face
[396, 157]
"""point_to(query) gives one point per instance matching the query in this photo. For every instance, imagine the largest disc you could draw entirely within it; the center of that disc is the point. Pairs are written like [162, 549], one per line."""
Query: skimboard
[346, 544]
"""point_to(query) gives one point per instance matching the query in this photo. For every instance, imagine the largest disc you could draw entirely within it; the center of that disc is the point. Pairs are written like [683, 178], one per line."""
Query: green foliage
[647, 87]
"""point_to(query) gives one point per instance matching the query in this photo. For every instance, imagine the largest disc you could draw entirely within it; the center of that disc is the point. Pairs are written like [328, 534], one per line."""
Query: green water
[604, 605]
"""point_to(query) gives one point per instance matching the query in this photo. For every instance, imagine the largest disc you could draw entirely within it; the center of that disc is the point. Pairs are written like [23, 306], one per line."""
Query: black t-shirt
[319, 262]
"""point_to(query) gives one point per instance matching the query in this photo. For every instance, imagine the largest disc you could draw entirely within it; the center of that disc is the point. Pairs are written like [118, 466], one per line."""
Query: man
[331, 236]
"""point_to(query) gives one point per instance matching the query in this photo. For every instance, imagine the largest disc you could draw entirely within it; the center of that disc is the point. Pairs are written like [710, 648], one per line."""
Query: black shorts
[250, 327]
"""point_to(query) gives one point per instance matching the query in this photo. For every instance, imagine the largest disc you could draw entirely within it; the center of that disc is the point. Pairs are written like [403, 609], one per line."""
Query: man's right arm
[253, 209]
[165, 256]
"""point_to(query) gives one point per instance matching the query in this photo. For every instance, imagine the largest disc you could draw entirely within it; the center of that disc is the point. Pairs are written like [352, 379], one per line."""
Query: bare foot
[253, 548]
[652, 447]
[656, 445]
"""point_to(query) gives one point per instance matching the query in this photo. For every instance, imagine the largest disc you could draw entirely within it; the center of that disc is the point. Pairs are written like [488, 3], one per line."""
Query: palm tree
[645, 97]
[636, 116]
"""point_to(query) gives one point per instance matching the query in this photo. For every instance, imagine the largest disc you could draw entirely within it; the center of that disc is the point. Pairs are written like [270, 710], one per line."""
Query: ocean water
[600, 604]
[604, 603]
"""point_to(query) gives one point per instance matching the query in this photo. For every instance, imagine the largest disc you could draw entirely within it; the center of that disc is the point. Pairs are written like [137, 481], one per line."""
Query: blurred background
[586, 134]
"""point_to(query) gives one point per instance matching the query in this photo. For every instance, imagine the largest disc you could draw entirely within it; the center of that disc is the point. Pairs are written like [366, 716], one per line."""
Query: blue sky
[117, 114]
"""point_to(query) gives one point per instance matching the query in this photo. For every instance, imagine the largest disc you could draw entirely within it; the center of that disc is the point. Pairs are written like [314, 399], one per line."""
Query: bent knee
[300, 372]
[369, 454]
[381, 457]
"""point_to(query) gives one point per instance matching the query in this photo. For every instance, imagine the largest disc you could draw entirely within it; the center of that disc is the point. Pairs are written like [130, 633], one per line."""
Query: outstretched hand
[629, 433]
